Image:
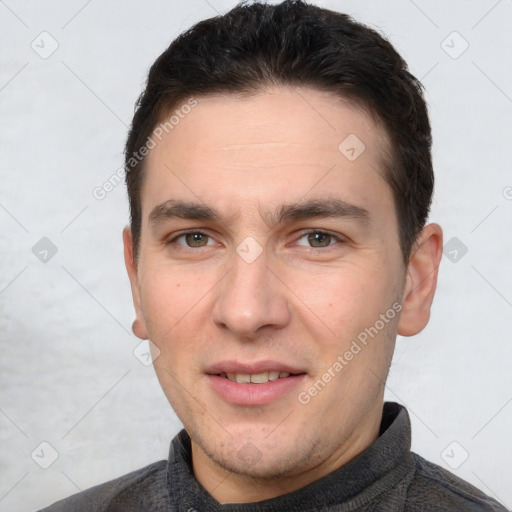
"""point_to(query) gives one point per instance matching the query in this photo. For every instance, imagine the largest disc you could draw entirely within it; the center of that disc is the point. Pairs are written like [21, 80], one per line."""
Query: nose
[251, 299]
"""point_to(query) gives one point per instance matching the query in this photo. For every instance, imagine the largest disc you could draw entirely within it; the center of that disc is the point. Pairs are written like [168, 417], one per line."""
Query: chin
[261, 458]
[266, 468]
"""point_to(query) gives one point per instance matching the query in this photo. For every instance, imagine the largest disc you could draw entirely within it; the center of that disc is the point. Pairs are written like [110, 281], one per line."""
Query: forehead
[281, 142]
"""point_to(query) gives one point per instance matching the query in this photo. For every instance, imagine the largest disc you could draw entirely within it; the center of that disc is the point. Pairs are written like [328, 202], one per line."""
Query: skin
[296, 303]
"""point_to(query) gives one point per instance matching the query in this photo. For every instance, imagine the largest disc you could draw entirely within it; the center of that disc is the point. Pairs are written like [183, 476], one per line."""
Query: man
[280, 177]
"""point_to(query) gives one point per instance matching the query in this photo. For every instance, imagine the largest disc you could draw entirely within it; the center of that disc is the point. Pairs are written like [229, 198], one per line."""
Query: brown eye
[196, 239]
[319, 239]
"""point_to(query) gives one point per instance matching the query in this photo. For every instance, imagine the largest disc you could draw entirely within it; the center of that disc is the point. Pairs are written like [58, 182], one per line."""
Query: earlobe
[139, 324]
[139, 329]
[421, 281]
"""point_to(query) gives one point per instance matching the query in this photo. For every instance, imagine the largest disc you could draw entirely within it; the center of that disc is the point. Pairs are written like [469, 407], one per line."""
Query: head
[279, 177]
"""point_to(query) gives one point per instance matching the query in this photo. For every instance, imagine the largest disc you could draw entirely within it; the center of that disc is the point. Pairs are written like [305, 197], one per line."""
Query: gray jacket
[386, 477]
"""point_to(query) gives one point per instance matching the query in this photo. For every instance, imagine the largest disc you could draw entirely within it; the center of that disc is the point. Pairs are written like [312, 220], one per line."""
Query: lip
[252, 367]
[253, 394]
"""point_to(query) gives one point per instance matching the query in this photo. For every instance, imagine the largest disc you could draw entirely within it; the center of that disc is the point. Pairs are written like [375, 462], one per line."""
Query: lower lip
[253, 394]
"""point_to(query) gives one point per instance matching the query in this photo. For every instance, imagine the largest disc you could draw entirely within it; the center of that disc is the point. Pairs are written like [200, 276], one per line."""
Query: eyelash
[336, 238]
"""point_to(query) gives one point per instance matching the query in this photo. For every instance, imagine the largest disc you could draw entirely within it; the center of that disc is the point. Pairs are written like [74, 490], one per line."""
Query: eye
[193, 239]
[317, 239]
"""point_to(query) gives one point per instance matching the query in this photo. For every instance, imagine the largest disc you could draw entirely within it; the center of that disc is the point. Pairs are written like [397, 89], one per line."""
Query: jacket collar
[375, 470]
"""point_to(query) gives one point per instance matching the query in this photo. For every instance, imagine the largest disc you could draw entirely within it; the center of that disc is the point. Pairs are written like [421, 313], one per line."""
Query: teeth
[259, 378]
[255, 378]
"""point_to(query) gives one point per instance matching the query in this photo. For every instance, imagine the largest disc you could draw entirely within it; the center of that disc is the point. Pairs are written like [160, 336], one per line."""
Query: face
[270, 250]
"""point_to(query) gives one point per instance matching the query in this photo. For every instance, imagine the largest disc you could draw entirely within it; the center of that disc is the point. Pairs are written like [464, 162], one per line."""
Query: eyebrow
[175, 209]
[331, 208]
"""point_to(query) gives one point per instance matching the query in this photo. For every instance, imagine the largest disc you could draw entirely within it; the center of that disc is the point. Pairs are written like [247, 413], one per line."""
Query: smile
[255, 389]
[255, 378]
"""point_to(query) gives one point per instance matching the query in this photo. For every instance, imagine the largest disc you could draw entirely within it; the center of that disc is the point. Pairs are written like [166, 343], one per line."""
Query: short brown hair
[294, 43]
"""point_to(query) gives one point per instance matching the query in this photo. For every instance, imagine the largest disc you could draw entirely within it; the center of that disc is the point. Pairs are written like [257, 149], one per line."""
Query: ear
[421, 281]
[139, 325]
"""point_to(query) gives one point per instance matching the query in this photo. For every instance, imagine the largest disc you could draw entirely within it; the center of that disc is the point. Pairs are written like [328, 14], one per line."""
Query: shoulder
[435, 488]
[129, 492]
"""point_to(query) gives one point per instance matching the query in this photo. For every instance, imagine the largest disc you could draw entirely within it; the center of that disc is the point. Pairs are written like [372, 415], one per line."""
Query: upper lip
[251, 367]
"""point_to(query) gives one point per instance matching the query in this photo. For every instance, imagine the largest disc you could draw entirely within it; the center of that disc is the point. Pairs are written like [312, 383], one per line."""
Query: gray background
[69, 376]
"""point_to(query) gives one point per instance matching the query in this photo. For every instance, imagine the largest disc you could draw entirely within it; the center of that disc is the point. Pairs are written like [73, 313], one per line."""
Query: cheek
[172, 310]
[342, 312]
[177, 309]
[340, 304]
[167, 298]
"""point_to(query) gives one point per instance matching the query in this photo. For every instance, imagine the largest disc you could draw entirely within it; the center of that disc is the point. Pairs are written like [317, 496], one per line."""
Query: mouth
[257, 378]
[253, 383]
